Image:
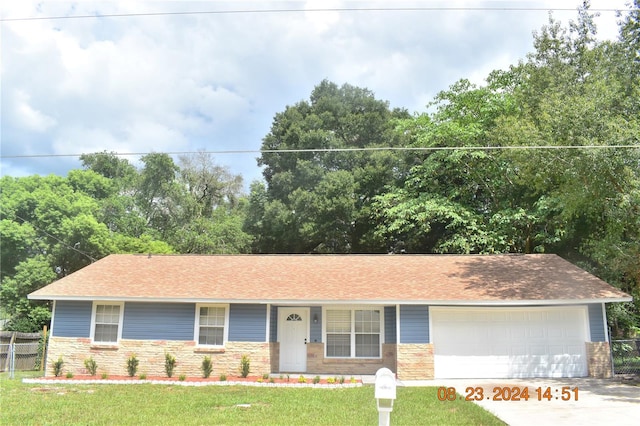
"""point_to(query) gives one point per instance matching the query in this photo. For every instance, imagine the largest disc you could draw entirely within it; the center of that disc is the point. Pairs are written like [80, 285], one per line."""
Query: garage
[518, 342]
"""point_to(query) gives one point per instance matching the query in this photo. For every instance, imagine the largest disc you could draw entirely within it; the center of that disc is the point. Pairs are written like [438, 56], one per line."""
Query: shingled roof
[432, 279]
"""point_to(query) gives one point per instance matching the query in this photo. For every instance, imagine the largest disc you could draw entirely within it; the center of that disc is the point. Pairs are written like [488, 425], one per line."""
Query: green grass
[87, 404]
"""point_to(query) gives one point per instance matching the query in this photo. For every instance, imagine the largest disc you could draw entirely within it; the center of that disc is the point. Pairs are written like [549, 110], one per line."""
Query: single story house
[422, 316]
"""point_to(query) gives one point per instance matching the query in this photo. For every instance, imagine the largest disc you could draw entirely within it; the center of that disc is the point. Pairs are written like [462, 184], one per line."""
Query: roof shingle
[454, 279]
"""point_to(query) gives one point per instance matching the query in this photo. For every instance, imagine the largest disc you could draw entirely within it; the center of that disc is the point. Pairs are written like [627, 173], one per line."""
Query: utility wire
[302, 150]
[55, 238]
[315, 10]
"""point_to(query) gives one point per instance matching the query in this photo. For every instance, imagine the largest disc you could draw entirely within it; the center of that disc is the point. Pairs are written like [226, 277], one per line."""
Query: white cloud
[215, 81]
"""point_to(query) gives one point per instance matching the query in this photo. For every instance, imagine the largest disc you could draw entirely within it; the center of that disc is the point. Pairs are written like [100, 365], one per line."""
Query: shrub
[245, 364]
[69, 375]
[169, 364]
[302, 379]
[265, 376]
[331, 380]
[105, 376]
[206, 367]
[132, 365]
[57, 367]
[143, 376]
[341, 380]
[91, 365]
[182, 377]
[316, 380]
[271, 380]
[223, 377]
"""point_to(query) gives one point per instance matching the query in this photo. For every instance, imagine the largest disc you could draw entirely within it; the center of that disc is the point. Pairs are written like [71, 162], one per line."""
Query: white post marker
[385, 394]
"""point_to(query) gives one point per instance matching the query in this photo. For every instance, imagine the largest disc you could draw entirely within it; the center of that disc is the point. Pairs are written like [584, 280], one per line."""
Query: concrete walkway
[599, 401]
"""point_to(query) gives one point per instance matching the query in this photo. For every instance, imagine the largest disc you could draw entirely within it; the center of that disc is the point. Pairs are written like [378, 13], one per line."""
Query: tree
[316, 200]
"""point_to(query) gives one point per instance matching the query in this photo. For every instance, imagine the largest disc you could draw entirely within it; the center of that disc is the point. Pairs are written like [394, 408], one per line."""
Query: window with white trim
[211, 322]
[107, 322]
[353, 333]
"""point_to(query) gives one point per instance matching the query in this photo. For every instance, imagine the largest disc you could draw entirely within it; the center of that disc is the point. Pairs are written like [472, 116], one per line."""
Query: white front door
[293, 329]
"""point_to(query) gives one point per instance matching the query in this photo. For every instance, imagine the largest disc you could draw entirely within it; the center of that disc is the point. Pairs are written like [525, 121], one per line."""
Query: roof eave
[471, 302]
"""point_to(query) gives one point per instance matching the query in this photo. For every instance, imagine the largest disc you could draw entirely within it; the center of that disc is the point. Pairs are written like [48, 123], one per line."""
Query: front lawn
[165, 404]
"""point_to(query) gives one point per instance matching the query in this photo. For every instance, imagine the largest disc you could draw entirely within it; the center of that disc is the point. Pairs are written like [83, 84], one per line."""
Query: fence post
[44, 347]
[12, 360]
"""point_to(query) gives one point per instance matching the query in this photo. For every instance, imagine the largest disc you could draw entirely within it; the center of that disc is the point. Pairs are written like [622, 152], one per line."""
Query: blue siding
[390, 324]
[72, 319]
[315, 329]
[273, 326]
[248, 323]
[158, 321]
[596, 323]
[414, 324]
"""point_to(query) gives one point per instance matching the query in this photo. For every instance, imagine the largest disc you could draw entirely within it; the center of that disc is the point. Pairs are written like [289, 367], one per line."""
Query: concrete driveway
[599, 401]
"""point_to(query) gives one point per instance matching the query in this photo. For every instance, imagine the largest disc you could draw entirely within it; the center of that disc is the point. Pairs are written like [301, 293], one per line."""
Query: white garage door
[509, 342]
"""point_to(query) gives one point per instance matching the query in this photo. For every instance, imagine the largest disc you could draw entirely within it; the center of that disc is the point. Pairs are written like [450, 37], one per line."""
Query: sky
[188, 82]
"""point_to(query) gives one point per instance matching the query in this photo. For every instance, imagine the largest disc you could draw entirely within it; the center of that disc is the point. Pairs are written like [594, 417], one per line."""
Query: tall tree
[318, 201]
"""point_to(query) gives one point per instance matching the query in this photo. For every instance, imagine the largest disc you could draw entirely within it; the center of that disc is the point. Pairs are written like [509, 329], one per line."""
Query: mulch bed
[197, 381]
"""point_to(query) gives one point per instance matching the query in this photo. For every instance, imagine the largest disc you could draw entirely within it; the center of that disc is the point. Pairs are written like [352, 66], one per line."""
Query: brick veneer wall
[599, 359]
[151, 353]
[318, 364]
[415, 361]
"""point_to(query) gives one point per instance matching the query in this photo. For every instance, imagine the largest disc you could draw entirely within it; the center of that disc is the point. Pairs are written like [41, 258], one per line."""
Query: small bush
[245, 364]
[104, 376]
[143, 376]
[302, 379]
[182, 377]
[223, 377]
[169, 364]
[316, 380]
[91, 365]
[132, 365]
[353, 379]
[206, 367]
[331, 380]
[271, 380]
[265, 376]
[69, 375]
[341, 380]
[57, 367]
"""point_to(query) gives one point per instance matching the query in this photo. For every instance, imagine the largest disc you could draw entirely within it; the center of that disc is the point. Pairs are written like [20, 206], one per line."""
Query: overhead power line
[316, 10]
[74, 248]
[302, 150]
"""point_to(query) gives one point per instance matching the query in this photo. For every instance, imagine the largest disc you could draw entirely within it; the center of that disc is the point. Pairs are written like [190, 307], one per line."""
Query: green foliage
[69, 375]
[169, 364]
[302, 379]
[132, 365]
[91, 365]
[142, 376]
[316, 380]
[245, 366]
[182, 377]
[57, 367]
[315, 201]
[206, 367]
[223, 377]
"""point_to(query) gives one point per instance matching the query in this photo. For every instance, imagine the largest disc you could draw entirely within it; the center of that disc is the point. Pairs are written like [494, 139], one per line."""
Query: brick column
[415, 361]
[599, 359]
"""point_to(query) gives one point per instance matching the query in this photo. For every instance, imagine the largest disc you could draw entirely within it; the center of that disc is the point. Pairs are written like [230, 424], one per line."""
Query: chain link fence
[626, 356]
[20, 351]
